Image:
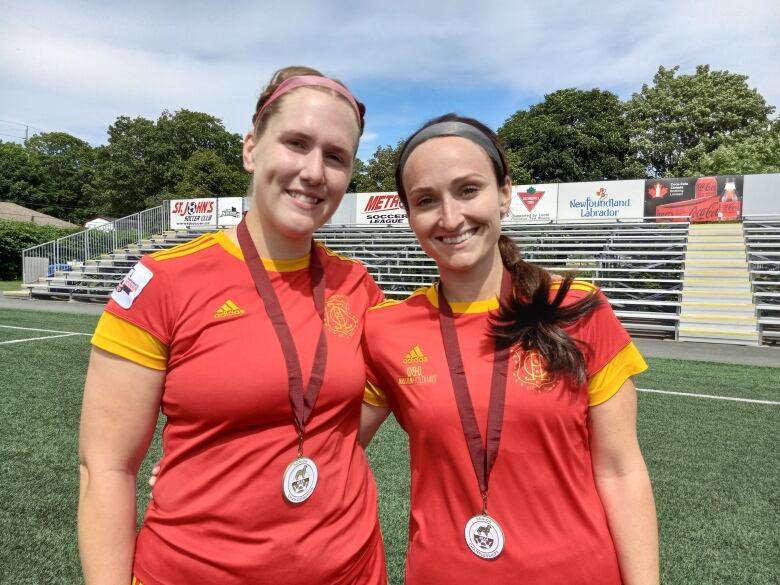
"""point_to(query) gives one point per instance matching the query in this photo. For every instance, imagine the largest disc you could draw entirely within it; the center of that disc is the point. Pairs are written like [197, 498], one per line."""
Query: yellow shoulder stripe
[582, 285]
[333, 254]
[606, 382]
[391, 302]
[199, 243]
[122, 338]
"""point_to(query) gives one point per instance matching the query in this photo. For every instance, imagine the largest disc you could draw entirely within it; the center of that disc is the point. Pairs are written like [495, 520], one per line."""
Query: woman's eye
[470, 190]
[424, 202]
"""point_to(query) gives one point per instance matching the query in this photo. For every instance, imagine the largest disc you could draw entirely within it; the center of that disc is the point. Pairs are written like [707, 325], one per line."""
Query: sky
[76, 65]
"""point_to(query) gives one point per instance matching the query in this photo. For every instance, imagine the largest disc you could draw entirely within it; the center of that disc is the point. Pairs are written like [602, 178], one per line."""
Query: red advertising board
[695, 199]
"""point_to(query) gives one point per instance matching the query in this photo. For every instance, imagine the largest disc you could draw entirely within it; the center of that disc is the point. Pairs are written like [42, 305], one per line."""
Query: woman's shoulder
[578, 289]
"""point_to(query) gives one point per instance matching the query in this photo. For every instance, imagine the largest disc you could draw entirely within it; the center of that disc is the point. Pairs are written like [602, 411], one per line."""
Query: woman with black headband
[521, 414]
[249, 341]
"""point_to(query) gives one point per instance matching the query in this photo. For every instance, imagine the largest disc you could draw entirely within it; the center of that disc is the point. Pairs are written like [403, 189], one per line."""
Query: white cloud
[76, 66]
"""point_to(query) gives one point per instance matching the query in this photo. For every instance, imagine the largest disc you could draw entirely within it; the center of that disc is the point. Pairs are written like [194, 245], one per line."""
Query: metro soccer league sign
[380, 209]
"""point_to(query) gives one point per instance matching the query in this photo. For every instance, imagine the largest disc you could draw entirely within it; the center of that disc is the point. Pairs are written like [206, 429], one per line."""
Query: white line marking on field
[39, 338]
[710, 396]
[44, 330]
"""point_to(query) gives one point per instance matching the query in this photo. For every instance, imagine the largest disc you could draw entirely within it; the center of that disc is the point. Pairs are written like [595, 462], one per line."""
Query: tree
[573, 135]
[66, 167]
[755, 154]
[145, 162]
[379, 174]
[128, 168]
[20, 174]
[185, 133]
[680, 118]
[205, 174]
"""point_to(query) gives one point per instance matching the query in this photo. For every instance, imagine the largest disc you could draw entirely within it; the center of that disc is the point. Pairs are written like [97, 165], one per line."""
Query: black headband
[453, 128]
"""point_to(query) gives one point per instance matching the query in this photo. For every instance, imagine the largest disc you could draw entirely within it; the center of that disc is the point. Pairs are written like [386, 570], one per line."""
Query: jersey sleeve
[138, 321]
[129, 341]
[611, 357]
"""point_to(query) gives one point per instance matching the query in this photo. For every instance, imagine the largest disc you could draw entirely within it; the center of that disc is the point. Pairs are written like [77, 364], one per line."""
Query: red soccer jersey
[542, 490]
[218, 513]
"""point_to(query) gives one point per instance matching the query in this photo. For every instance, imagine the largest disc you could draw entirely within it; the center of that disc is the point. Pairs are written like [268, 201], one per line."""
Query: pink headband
[308, 80]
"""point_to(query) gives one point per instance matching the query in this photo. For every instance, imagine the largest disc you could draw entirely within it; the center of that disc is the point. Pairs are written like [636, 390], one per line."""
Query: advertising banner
[229, 211]
[601, 200]
[534, 203]
[698, 198]
[379, 209]
[187, 213]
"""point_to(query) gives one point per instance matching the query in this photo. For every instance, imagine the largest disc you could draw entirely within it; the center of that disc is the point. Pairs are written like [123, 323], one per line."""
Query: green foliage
[573, 135]
[379, 174]
[145, 162]
[517, 170]
[680, 118]
[66, 165]
[755, 154]
[16, 236]
[205, 174]
[20, 174]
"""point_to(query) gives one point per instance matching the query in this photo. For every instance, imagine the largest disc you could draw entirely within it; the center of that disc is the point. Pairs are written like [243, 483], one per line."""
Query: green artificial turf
[714, 463]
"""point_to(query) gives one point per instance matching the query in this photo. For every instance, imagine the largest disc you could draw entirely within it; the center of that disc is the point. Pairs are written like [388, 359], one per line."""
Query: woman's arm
[624, 486]
[371, 418]
[118, 418]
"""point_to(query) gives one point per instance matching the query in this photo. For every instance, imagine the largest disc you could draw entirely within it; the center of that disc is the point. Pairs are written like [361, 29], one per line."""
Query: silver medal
[300, 479]
[484, 536]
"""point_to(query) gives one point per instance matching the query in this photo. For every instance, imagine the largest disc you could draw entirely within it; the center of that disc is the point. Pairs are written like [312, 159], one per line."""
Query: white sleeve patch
[131, 285]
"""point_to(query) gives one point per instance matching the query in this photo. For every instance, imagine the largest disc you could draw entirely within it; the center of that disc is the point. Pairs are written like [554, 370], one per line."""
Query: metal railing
[73, 250]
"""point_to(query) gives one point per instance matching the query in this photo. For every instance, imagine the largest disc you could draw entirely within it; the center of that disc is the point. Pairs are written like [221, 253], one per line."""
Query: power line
[21, 124]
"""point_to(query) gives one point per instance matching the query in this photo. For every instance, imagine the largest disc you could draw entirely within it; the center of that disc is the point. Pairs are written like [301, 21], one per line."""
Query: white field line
[39, 338]
[710, 396]
[44, 330]
[60, 334]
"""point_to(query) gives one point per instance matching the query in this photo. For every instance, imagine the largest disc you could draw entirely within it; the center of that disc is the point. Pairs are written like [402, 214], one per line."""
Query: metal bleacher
[638, 266]
[762, 242]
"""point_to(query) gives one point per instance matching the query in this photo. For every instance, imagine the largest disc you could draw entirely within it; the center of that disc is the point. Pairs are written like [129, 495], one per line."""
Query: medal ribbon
[302, 402]
[483, 455]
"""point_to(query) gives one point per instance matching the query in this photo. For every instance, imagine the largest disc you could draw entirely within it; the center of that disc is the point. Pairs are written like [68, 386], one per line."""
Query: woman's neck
[475, 284]
[269, 244]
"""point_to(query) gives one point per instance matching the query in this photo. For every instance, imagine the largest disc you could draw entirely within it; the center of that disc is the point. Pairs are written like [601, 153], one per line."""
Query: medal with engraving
[483, 534]
[300, 477]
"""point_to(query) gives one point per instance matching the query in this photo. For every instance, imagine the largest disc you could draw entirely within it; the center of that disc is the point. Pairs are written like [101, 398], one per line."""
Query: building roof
[14, 212]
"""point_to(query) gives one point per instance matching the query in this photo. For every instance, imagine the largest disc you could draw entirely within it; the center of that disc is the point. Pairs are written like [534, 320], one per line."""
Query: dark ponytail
[533, 321]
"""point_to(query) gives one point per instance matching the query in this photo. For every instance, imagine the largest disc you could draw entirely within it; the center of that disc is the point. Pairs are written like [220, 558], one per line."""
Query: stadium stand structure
[664, 280]
[762, 243]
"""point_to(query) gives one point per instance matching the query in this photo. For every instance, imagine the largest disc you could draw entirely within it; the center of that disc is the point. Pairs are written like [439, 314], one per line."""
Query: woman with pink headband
[249, 341]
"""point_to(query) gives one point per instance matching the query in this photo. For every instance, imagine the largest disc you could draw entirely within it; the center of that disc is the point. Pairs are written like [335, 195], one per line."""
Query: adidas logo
[415, 356]
[228, 309]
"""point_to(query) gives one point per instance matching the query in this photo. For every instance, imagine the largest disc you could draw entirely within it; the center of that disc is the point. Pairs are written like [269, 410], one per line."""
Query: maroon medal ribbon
[302, 402]
[483, 455]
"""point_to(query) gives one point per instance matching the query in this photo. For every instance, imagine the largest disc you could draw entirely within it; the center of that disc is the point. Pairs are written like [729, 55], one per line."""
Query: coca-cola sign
[695, 199]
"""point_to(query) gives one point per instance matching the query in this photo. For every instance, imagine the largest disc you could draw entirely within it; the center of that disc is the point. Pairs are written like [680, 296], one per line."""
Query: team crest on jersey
[339, 318]
[530, 370]
[131, 285]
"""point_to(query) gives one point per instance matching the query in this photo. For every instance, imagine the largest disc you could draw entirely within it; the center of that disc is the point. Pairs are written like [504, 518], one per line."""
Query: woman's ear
[248, 152]
[506, 196]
